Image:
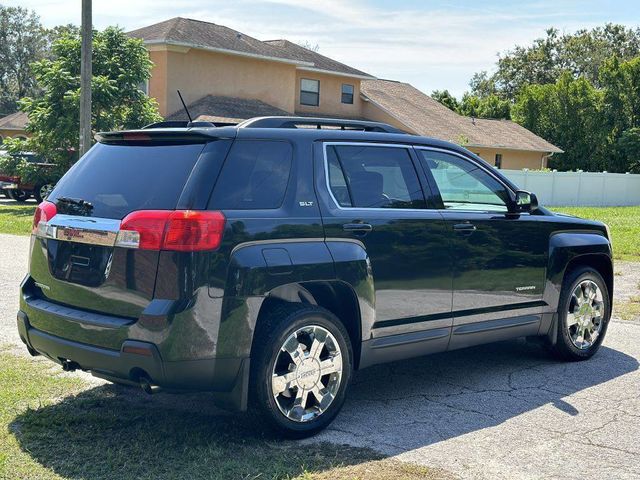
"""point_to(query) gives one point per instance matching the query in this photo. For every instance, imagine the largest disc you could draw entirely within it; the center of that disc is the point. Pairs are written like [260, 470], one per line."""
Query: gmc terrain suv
[267, 261]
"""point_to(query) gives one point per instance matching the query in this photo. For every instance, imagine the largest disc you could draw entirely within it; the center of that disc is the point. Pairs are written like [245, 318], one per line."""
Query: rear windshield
[118, 179]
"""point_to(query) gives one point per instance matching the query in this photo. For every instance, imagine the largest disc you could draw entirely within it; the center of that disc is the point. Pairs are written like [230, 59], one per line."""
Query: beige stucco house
[227, 76]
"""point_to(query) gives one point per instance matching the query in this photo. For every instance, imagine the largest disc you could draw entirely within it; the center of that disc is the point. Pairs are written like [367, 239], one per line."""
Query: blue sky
[430, 44]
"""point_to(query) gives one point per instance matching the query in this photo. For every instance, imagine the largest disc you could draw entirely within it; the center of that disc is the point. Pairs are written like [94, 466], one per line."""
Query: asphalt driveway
[504, 410]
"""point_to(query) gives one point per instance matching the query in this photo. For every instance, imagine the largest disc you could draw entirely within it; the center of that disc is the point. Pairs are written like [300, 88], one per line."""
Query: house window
[347, 93]
[498, 160]
[310, 92]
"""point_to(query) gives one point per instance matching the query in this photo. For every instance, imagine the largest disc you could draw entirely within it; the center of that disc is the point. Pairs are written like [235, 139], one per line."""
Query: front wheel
[583, 315]
[302, 365]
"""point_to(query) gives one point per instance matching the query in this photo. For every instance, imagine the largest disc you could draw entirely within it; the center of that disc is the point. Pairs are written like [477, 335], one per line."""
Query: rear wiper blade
[76, 204]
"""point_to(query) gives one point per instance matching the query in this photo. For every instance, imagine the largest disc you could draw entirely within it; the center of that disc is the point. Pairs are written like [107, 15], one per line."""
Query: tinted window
[118, 179]
[254, 175]
[373, 177]
[310, 92]
[463, 185]
[347, 93]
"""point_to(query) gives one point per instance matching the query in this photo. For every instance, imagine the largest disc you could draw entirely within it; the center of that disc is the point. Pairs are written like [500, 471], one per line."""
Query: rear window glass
[118, 179]
[254, 176]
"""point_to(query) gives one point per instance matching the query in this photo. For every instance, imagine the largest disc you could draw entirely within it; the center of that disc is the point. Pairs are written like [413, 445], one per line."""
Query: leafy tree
[629, 145]
[490, 106]
[23, 41]
[582, 54]
[446, 99]
[482, 84]
[120, 65]
[568, 113]
[621, 112]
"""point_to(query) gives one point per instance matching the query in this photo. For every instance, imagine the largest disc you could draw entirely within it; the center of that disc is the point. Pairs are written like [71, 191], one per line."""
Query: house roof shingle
[197, 33]
[428, 117]
[214, 108]
[320, 62]
[14, 121]
[200, 34]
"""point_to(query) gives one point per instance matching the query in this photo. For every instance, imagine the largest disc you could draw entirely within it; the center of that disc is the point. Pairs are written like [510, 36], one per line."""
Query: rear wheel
[583, 315]
[18, 195]
[302, 363]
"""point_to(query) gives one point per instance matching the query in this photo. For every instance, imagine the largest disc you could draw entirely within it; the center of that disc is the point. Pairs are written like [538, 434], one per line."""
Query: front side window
[463, 185]
[310, 92]
[373, 177]
[254, 176]
[347, 93]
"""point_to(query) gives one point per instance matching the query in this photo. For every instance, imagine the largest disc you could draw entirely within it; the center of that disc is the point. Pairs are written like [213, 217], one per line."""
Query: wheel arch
[336, 296]
[568, 250]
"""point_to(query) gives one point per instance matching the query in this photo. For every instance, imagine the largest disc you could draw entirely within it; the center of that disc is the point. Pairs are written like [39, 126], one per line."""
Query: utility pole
[85, 78]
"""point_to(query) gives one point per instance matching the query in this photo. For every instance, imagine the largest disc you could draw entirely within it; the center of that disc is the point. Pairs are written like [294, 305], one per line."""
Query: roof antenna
[185, 106]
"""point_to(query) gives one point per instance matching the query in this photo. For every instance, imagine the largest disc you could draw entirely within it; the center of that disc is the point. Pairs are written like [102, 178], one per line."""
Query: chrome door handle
[464, 228]
[357, 228]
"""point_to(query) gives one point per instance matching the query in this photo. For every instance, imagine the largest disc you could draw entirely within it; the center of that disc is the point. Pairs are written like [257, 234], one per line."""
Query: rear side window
[373, 177]
[118, 179]
[254, 176]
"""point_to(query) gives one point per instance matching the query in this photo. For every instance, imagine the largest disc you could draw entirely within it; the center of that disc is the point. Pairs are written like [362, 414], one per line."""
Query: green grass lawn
[623, 221]
[55, 426]
[16, 218]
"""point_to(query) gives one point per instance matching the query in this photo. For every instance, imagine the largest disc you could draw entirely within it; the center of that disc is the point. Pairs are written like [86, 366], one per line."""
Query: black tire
[564, 348]
[41, 192]
[19, 196]
[279, 324]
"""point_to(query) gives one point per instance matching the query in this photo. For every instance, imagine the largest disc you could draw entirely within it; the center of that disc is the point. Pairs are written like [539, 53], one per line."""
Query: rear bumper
[227, 378]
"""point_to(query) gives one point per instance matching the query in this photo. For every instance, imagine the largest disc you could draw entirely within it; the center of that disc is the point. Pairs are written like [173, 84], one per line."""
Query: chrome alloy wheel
[586, 314]
[45, 190]
[307, 373]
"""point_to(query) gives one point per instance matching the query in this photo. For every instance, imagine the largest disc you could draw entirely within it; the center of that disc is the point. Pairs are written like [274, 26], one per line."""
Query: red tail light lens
[189, 230]
[44, 212]
[179, 230]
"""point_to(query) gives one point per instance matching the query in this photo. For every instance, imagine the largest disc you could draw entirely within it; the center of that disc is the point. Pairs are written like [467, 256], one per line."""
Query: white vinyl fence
[579, 188]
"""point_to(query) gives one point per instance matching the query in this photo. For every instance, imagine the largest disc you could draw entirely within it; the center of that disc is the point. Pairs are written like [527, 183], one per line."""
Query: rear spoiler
[164, 136]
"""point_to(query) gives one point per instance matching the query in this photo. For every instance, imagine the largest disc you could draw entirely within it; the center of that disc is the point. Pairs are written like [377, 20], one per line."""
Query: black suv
[266, 262]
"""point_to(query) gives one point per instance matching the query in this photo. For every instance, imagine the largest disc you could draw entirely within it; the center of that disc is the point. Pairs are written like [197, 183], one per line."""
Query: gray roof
[426, 116]
[14, 121]
[320, 62]
[196, 33]
[206, 35]
[214, 108]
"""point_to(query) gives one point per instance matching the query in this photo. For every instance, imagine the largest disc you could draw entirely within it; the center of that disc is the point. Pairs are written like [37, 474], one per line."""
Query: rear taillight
[178, 230]
[45, 211]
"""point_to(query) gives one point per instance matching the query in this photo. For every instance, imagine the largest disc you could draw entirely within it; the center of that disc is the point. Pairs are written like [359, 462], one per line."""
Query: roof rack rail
[182, 124]
[319, 122]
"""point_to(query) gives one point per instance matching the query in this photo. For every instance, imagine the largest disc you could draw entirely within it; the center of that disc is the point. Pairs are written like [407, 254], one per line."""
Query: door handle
[464, 228]
[360, 229]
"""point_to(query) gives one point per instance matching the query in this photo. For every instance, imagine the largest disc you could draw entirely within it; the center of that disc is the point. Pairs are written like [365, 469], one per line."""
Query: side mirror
[526, 201]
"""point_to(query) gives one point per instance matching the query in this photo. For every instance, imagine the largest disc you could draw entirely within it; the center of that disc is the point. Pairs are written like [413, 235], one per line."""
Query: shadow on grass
[117, 432]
